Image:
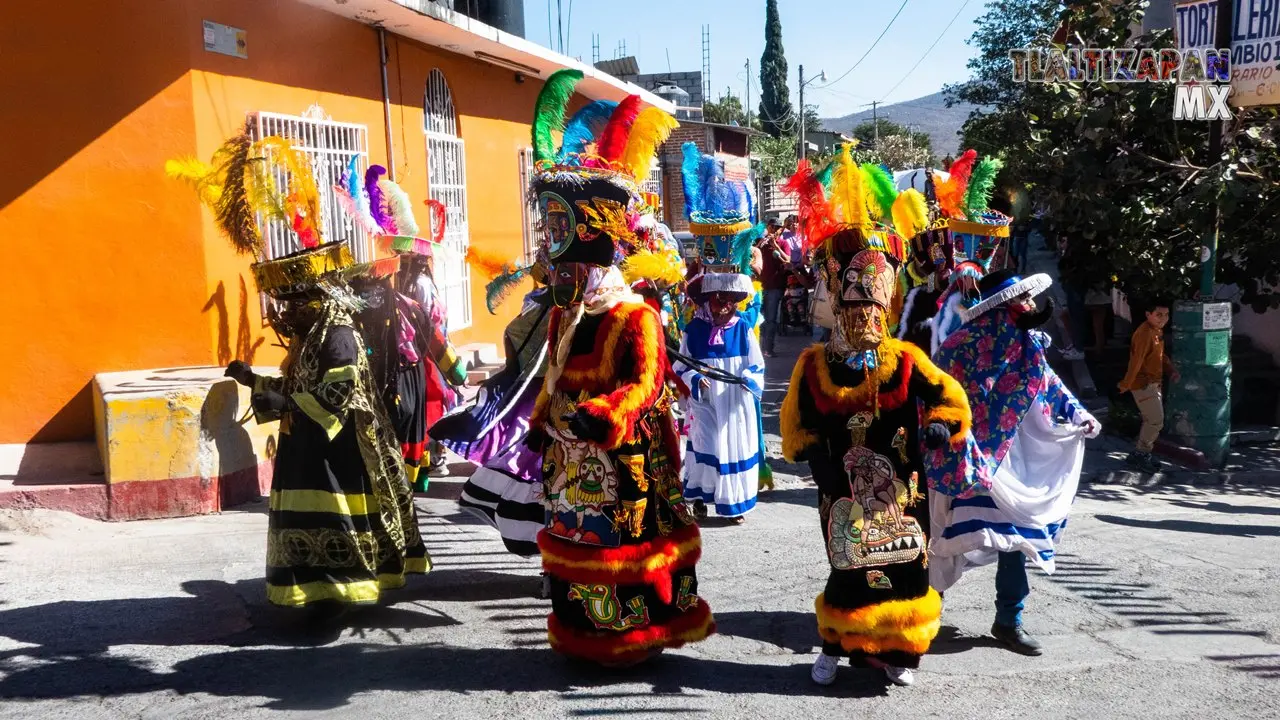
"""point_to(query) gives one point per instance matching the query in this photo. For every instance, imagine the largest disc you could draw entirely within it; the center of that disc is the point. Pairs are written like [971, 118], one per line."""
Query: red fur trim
[641, 338]
[897, 394]
[649, 563]
[610, 648]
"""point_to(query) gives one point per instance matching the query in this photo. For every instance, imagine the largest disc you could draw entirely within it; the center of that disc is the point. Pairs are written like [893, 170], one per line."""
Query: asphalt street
[1164, 605]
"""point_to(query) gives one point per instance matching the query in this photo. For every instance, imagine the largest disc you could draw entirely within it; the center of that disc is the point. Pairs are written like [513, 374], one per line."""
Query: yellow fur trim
[954, 407]
[978, 228]
[705, 229]
[795, 437]
[905, 625]
[889, 354]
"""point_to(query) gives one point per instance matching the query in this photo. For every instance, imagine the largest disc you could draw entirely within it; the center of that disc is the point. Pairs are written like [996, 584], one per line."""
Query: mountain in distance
[928, 114]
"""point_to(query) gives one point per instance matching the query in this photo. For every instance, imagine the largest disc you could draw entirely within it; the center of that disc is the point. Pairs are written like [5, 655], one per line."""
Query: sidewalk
[1254, 458]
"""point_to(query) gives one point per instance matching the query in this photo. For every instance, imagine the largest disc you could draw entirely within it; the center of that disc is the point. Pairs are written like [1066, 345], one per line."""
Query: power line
[926, 52]
[868, 52]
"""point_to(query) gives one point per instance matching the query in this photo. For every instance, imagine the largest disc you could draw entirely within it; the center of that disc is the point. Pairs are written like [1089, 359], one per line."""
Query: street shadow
[1221, 507]
[1263, 667]
[802, 496]
[1193, 526]
[324, 678]
[953, 641]
[789, 630]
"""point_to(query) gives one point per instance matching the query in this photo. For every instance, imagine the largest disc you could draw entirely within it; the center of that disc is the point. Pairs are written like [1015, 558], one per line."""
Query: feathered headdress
[815, 216]
[583, 128]
[951, 191]
[548, 112]
[661, 267]
[982, 183]
[709, 198]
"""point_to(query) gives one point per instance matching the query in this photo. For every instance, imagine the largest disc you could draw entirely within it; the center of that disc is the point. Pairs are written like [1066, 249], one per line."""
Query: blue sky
[820, 34]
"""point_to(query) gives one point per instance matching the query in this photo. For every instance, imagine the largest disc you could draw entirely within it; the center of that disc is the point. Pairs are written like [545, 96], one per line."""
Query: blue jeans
[772, 306]
[1011, 588]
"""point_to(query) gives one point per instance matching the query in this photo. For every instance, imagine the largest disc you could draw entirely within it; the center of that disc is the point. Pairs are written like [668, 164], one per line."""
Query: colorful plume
[490, 265]
[614, 139]
[439, 219]
[201, 176]
[548, 112]
[663, 267]
[235, 214]
[910, 214]
[742, 244]
[584, 127]
[499, 289]
[400, 207]
[652, 128]
[377, 202]
[692, 184]
[881, 190]
[848, 192]
[981, 185]
[816, 224]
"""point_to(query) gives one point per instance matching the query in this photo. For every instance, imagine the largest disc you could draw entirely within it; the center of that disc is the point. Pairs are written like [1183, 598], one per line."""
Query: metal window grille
[529, 212]
[447, 181]
[653, 184]
[330, 146]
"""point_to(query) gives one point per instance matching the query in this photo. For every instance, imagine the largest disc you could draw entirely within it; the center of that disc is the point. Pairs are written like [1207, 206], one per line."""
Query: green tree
[865, 132]
[812, 123]
[775, 98]
[1130, 193]
[726, 110]
[777, 156]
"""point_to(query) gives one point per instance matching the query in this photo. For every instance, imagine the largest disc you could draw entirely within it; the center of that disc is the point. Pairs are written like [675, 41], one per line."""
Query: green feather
[500, 287]
[882, 188]
[982, 183]
[824, 175]
[548, 113]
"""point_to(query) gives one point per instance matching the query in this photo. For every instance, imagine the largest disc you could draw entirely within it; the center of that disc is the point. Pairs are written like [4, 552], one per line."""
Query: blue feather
[584, 126]
[710, 175]
[353, 177]
[692, 184]
[749, 193]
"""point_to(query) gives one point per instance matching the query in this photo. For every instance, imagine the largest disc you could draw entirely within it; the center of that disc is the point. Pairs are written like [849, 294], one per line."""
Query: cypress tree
[775, 98]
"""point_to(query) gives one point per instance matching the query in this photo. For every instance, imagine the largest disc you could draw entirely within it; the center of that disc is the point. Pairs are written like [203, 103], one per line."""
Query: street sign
[1255, 52]
[225, 40]
[1195, 23]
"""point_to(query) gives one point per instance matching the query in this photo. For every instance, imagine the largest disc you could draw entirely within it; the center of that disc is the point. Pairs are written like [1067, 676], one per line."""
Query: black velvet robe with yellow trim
[877, 602]
[341, 524]
[620, 545]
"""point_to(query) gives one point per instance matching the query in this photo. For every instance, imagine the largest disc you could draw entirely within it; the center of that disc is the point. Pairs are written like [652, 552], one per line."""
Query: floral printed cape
[1003, 370]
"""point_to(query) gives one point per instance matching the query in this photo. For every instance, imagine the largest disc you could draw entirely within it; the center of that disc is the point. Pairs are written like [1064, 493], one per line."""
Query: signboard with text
[1255, 52]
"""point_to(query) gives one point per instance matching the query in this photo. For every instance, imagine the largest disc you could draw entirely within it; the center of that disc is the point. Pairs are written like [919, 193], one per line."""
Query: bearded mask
[862, 285]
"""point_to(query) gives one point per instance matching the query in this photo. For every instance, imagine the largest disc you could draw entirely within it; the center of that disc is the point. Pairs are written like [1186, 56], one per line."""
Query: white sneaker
[824, 669]
[1071, 353]
[902, 677]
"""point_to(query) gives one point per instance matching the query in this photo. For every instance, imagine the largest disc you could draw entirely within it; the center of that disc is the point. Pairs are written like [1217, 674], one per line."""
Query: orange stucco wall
[118, 268]
[103, 255]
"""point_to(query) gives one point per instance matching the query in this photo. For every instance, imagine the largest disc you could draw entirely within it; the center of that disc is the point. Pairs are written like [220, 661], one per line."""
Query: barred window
[330, 146]
[447, 183]
[529, 213]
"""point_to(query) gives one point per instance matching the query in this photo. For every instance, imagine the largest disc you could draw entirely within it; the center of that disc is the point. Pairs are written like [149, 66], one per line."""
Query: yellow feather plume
[910, 214]
[201, 176]
[663, 268]
[303, 193]
[651, 128]
[848, 191]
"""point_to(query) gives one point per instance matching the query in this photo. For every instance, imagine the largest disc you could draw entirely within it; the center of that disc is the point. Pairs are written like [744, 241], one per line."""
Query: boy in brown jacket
[1147, 364]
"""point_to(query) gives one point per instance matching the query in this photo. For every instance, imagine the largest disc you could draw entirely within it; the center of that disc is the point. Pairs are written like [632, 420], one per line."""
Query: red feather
[439, 217]
[950, 192]
[614, 138]
[815, 216]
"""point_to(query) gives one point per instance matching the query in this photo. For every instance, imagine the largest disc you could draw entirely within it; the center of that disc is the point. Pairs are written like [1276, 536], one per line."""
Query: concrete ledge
[54, 476]
[173, 444]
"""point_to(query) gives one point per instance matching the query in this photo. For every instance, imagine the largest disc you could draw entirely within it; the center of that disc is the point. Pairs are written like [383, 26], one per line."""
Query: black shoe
[1016, 639]
[1143, 462]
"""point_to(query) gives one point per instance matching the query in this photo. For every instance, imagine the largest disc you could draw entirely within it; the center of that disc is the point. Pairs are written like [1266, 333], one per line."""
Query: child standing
[1147, 364]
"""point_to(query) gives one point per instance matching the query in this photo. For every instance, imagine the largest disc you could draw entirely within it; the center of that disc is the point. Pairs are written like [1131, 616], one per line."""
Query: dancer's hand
[269, 402]
[704, 386]
[586, 427]
[936, 435]
[1090, 426]
[241, 372]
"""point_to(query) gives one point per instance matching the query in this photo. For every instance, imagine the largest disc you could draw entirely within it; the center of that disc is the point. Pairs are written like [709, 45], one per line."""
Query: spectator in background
[775, 257]
[1147, 365]
[1098, 302]
[791, 238]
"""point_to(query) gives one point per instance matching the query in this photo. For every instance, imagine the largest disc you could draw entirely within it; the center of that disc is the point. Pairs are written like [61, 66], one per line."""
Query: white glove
[1090, 426]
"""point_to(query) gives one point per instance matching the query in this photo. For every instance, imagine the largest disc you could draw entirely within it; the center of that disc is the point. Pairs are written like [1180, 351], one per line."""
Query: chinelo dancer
[341, 526]
[723, 464]
[1030, 432]
[620, 545]
[862, 409]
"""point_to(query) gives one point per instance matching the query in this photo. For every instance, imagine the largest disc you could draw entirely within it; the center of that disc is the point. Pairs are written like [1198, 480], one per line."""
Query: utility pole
[803, 154]
[747, 65]
[875, 122]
